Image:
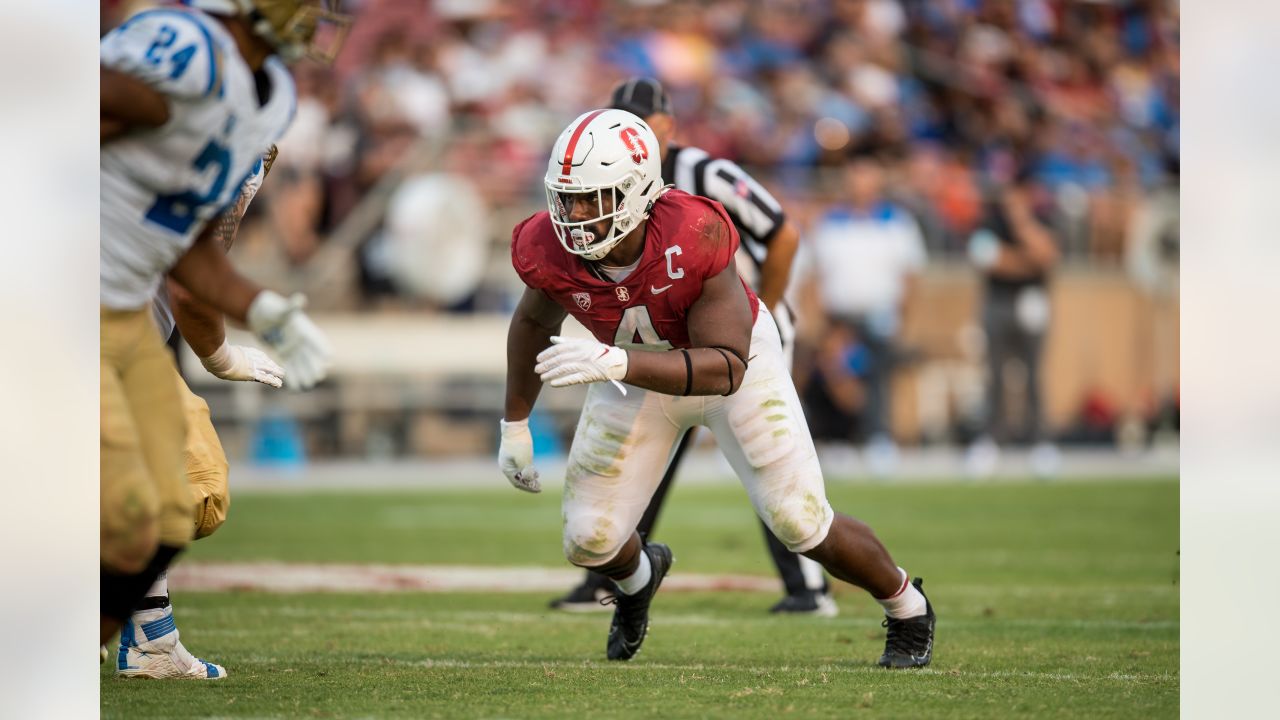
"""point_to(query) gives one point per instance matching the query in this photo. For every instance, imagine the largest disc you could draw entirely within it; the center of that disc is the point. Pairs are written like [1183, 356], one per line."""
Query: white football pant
[622, 445]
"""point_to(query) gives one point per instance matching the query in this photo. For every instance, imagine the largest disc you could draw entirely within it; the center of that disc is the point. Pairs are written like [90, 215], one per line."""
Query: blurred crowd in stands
[1076, 102]
[959, 94]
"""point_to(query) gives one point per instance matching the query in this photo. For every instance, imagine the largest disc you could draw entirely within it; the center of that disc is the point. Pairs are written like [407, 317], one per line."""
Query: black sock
[119, 595]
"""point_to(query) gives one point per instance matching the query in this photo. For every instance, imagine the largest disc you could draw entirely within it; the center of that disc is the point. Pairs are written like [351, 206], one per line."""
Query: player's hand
[302, 348]
[515, 456]
[573, 361]
[241, 362]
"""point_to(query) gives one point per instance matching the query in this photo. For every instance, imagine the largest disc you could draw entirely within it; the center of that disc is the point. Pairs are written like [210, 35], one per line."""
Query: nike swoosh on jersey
[660, 290]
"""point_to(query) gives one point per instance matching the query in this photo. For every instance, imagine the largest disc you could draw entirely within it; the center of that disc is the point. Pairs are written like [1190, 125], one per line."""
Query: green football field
[1054, 600]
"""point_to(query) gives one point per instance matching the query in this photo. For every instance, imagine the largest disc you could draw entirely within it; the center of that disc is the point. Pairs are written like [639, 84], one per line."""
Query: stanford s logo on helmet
[608, 159]
[639, 151]
[296, 29]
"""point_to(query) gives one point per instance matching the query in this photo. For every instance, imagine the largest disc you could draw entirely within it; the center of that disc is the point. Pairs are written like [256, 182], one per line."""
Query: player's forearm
[709, 371]
[525, 339]
[208, 276]
[201, 326]
[775, 272]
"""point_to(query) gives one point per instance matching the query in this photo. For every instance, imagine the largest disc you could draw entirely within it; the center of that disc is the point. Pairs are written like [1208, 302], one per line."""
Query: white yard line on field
[315, 577]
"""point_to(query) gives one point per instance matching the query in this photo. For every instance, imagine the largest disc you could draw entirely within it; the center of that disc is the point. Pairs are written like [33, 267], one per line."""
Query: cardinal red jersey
[688, 239]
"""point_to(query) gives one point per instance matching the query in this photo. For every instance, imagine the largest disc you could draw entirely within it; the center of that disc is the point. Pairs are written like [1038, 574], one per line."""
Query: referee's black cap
[641, 96]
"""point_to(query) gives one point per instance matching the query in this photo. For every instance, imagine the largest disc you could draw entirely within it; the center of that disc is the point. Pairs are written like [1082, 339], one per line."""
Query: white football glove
[515, 456]
[302, 348]
[241, 362]
[573, 361]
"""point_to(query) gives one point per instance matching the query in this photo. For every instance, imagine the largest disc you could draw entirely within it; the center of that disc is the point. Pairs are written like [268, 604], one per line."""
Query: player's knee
[800, 522]
[591, 539]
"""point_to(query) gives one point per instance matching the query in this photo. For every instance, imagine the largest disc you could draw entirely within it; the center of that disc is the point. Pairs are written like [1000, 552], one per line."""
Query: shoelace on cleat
[629, 611]
[904, 636]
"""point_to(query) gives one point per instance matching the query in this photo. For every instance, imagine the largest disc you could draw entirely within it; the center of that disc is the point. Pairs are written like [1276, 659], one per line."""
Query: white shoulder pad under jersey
[159, 188]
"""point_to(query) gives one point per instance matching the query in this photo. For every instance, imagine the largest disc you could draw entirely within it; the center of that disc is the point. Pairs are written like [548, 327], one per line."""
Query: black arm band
[688, 372]
[722, 348]
[728, 364]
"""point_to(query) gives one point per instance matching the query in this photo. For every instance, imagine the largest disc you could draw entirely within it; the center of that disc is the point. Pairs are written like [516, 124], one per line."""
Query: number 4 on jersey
[636, 331]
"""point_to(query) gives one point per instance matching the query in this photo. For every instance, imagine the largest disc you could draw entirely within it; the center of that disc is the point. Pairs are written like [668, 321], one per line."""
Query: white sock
[160, 588]
[906, 603]
[638, 580]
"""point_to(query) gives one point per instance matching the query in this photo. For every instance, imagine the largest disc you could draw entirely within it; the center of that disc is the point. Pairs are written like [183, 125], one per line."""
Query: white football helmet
[604, 153]
[290, 26]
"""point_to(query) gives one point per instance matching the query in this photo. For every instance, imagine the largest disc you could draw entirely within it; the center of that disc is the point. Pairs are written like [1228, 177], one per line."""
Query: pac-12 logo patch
[623, 294]
[583, 300]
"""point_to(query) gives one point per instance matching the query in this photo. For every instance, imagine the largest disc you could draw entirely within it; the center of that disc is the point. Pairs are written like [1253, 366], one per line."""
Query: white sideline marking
[316, 577]
[491, 622]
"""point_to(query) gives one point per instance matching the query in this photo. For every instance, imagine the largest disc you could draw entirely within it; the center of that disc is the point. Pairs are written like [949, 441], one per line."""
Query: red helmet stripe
[573, 141]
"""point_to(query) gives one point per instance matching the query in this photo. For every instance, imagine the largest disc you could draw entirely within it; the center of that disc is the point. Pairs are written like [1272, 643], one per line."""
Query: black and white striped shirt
[755, 212]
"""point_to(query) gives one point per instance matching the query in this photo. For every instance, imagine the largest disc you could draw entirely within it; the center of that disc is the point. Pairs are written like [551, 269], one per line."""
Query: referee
[768, 245]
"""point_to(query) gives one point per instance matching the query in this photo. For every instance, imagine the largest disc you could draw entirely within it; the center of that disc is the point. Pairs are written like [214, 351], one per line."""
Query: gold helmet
[297, 29]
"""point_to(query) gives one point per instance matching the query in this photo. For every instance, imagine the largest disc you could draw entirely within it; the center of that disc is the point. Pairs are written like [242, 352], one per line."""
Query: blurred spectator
[1015, 253]
[435, 240]
[863, 257]
[835, 394]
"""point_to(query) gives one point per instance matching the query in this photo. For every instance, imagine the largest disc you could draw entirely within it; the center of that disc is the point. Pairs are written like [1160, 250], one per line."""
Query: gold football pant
[145, 499]
[206, 463]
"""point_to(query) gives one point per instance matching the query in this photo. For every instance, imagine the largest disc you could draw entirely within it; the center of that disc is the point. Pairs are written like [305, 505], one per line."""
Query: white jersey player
[150, 643]
[160, 188]
[190, 99]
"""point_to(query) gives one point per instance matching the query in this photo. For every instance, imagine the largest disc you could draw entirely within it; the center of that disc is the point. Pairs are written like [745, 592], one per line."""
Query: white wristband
[513, 424]
[220, 360]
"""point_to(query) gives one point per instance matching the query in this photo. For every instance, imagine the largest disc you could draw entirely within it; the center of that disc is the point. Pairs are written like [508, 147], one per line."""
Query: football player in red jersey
[767, 247]
[680, 340]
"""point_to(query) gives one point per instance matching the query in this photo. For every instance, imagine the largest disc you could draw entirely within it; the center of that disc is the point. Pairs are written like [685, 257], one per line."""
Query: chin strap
[649, 208]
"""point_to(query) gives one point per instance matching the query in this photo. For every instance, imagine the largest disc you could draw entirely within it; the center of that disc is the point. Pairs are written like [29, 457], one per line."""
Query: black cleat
[631, 616]
[587, 597]
[909, 641]
[809, 602]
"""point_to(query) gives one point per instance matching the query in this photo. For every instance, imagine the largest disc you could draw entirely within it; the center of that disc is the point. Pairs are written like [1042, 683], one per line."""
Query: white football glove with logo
[515, 456]
[241, 362]
[574, 361]
[302, 348]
